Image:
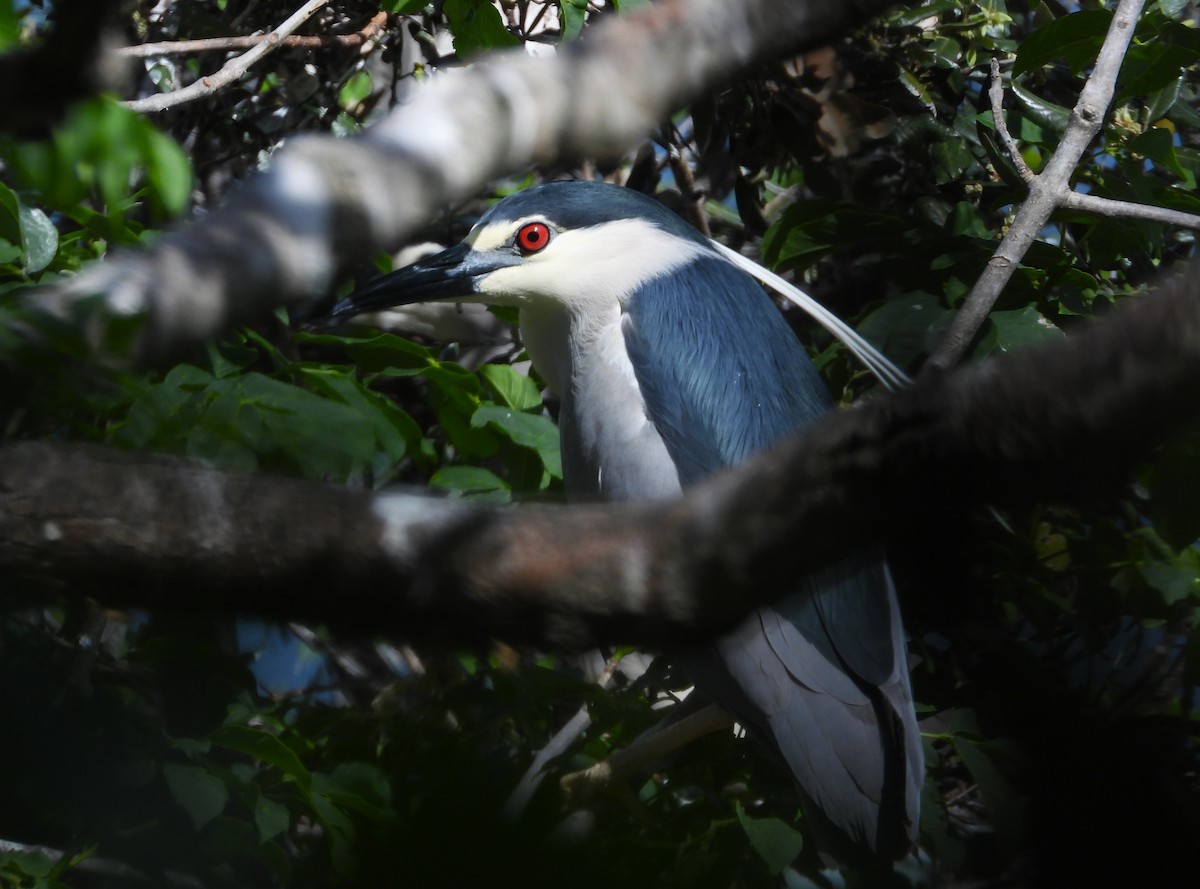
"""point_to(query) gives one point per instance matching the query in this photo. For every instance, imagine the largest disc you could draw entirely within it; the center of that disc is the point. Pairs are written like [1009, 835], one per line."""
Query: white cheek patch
[599, 264]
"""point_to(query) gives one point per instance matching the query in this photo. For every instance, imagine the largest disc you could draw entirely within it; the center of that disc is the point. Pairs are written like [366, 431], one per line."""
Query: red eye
[533, 236]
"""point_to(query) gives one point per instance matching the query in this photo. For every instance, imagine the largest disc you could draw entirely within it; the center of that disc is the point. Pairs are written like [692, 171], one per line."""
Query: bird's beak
[452, 274]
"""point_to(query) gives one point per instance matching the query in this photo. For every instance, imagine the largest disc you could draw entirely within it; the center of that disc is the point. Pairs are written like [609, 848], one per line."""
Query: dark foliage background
[1055, 649]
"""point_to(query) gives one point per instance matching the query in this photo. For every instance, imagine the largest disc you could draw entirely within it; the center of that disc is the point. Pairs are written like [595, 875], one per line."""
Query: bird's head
[576, 244]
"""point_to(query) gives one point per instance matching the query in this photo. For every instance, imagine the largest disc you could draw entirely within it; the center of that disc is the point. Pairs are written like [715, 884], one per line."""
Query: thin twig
[1091, 203]
[1074, 200]
[1047, 191]
[519, 799]
[996, 94]
[249, 41]
[612, 772]
[232, 70]
[693, 201]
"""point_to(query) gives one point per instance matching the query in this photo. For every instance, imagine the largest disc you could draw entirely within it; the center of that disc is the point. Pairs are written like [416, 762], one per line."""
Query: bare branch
[166, 534]
[996, 95]
[1046, 191]
[559, 744]
[623, 765]
[224, 44]
[1074, 200]
[1091, 203]
[232, 70]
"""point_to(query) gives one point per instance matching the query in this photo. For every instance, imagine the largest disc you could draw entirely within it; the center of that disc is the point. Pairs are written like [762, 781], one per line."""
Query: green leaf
[39, 238]
[104, 152]
[1048, 116]
[1076, 37]
[809, 230]
[10, 24]
[573, 12]
[905, 328]
[776, 843]
[1018, 328]
[1176, 580]
[321, 438]
[477, 26]
[360, 787]
[168, 171]
[339, 826]
[1159, 145]
[404, 7]
[28, 227]
[201, 794]
[510, 387]
[264, 747]
[271, 818]
[395, 432]
[531, 431]
[9, 252]
[1153, 64]
[952, 157]
[356, 88]
[906, 18]
[468, 480]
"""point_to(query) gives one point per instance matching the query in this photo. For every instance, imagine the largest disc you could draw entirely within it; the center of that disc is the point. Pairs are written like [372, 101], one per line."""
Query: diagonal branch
[161, 533]
[327, 203]
[1075, 200]
[231, 71]
[1046, 190]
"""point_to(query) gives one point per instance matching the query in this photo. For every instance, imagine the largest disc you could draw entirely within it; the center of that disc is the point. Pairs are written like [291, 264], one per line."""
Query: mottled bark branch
[1055, 422]
[327, 203]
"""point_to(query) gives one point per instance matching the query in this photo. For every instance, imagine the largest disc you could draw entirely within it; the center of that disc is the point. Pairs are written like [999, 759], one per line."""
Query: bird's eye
[532, 237]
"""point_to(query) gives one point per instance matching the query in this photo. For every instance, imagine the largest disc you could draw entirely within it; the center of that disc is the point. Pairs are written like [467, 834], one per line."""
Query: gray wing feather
[821, 677]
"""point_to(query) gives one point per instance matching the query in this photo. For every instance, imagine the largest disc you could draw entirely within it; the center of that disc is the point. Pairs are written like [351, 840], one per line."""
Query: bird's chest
[610, 448]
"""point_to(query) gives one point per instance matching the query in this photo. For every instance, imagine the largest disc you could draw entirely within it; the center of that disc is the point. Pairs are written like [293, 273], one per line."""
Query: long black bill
[453, 273]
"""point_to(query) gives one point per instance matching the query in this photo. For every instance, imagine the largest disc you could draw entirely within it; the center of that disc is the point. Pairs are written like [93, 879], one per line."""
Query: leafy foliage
[1057, 649]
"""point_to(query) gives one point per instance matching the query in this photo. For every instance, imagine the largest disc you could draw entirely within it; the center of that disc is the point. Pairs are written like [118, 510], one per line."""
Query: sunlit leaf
[531, 431]
[477, 26]
[512, 389]
[573, 13]
[468, 480]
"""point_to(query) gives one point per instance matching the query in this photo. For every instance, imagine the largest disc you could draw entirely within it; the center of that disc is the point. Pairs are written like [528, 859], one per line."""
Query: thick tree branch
[328, 203]
[1046, 190]
[1050, 423]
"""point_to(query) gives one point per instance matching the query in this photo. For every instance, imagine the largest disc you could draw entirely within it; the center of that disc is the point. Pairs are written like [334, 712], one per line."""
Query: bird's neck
[552, 335]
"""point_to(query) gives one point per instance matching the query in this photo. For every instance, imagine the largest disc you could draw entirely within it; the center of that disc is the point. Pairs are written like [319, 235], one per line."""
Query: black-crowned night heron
[671, 363]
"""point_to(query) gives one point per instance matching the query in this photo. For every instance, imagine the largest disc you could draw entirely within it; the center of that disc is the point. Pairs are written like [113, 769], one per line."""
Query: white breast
[610, 448]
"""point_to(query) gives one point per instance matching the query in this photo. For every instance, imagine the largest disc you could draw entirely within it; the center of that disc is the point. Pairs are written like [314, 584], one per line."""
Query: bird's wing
[723, 377]
[822, 673]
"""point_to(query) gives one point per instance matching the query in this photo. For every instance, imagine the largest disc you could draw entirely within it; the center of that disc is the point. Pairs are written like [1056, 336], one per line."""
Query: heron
[670, 362]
